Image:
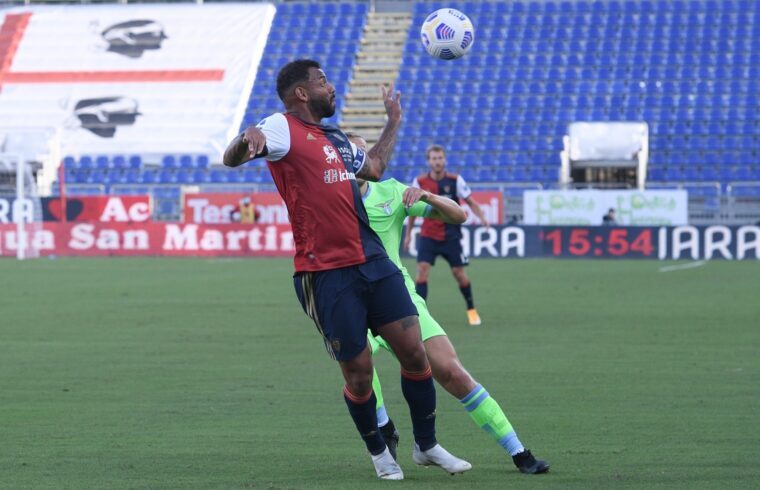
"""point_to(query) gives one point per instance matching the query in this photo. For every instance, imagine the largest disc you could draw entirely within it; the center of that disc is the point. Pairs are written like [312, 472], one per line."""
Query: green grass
[206, 374]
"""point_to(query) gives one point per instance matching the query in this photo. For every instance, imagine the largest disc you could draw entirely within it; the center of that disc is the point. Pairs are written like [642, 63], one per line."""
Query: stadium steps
[377, 63]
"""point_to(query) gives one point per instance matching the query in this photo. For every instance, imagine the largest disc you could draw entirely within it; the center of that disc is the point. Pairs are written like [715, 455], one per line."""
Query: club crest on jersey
[447, 189]
[334, 175]
[331, 157]
[386, 206]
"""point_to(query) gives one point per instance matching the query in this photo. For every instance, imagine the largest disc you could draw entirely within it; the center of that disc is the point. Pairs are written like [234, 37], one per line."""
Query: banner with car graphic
[158, 78]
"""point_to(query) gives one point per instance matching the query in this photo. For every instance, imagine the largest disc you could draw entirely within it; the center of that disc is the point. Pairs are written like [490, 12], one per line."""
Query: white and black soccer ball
[447, 34]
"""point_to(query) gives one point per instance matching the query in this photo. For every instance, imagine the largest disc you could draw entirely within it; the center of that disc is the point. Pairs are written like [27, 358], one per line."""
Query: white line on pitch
[680, 267]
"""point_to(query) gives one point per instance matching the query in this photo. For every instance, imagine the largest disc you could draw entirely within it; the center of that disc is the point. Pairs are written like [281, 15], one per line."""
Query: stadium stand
[541, 65]
[690, 69]
[338, 26]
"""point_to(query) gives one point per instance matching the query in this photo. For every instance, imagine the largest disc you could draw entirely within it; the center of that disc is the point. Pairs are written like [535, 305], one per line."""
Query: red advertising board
[121, 226]
[166, 239]
[492, 205]
[215, 208]
[105, 209]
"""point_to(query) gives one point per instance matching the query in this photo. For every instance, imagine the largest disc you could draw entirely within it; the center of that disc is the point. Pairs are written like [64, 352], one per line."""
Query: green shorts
[428, 326]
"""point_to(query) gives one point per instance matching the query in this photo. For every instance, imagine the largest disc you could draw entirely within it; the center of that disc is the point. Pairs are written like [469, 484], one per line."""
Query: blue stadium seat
[135, 161]
[169, 161]
[86, 162]
[202, 161]
[131, 176]
[117, 161]
[102, 162]
[218, 176]
[186, 162]
[168, 176]
[149, 176]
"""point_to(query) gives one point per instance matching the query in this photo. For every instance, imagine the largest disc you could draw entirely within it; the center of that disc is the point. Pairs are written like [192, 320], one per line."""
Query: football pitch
[206, 374]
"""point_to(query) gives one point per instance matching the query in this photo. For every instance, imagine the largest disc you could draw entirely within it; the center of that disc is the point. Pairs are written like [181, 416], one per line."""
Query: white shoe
[437, 456]
[386, 467]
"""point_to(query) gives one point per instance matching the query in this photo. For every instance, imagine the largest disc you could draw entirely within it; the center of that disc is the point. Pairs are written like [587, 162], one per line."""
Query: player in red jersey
[439, 238]
[344, 279]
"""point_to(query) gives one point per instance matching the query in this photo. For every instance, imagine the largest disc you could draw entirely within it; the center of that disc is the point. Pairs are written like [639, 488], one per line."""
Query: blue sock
[382, 416]
[467, 293]
[362, 410]
[421, 288]
[419, 391]
[511, 443]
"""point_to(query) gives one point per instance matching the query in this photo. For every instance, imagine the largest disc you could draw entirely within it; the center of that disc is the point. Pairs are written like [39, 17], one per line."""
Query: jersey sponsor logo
[331, 157]
[386, 206]
[334, 175]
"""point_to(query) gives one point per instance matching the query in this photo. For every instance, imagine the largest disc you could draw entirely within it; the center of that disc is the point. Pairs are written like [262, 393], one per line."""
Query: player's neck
[437, 175]
[304, 114]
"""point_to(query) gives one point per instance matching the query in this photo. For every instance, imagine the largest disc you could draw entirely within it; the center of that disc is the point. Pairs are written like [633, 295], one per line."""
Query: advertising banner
[610, 242]
[106, 209]
[273, 240]
[587, 207]
[215, 208]
[152, 239]
[492, 205]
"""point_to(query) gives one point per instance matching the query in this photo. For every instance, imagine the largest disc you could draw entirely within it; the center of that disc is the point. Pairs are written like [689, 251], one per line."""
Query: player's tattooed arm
[246, 146]
[380, 154]
[444, 209]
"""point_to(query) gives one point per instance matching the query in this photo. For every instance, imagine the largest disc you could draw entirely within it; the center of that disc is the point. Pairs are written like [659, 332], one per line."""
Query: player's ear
[301, 94]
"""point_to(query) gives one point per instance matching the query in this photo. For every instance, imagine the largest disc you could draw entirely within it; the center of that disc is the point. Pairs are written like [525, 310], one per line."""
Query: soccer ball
[447, 34]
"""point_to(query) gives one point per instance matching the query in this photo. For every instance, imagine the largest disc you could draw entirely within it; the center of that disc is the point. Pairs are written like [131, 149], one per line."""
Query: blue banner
[611, 242]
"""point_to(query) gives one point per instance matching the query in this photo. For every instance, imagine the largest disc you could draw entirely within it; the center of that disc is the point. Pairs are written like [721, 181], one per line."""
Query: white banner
[134, 78]
[588, 207]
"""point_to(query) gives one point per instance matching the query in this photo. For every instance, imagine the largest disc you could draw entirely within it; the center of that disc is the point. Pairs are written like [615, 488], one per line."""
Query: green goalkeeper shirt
[387, 213]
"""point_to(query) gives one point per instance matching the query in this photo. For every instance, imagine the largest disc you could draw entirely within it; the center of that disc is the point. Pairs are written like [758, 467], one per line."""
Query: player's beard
[323, 107]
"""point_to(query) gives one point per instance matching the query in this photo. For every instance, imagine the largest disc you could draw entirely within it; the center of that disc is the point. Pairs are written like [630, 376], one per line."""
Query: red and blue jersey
[455, 188]
[314, 167]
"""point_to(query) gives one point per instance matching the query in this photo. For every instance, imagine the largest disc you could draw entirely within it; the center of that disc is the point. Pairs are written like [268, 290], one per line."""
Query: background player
[245, 212]
[439, 238]
[344, 279]
[388, 204]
